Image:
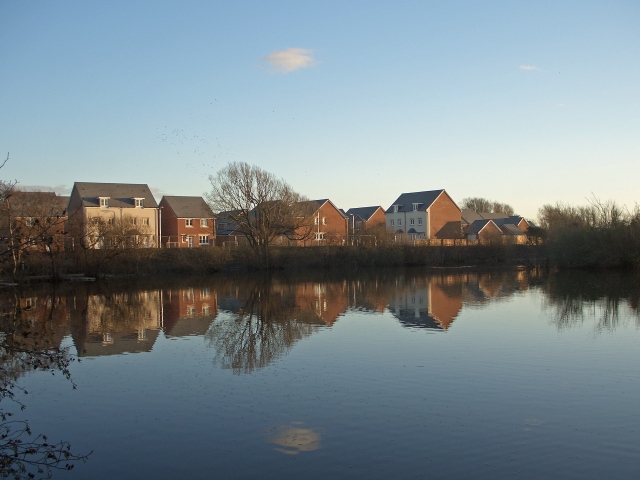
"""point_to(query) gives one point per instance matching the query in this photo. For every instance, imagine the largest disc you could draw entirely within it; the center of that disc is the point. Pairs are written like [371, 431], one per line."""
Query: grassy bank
[142, 262]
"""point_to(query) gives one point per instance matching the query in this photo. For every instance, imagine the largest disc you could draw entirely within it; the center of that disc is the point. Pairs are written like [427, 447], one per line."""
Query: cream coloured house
[113, 215]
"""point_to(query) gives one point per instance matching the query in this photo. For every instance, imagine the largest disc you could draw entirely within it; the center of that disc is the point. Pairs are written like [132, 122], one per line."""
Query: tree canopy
[479, 204]
[259, 205]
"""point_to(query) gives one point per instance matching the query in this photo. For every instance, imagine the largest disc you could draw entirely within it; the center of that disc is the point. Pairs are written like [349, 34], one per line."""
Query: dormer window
[104, 202]
[139, 202]
[415, 207]
[395, 208]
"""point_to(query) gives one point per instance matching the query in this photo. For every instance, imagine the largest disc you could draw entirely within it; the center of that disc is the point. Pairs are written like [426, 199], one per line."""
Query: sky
[526, 103]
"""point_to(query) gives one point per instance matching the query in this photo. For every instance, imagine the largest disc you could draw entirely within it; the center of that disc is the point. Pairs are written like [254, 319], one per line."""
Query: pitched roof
[121, 195]
[363, 212]
[511, 229]
[188, 207]
[478, 225]
[424, 199]
[37, 204]
[469, 216]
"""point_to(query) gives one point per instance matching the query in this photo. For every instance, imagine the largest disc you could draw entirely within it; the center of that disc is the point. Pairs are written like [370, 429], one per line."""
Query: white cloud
[289, 60]
[528, 67]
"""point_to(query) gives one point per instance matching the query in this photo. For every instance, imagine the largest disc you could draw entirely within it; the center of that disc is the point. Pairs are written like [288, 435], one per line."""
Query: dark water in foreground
[395, 375]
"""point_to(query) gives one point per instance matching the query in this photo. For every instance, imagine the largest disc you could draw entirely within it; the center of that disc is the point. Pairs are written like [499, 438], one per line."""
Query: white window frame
[204, 222]
[188, 222]
[104, 202]
[412, 221]
[206, 237]
[324, 220]
[319, 236]
[419, 221]
[415, 207]
[399, 222]
[139, 202]
[393, 222]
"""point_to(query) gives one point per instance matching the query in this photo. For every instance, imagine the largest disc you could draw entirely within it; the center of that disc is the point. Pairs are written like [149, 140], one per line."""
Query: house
[484, 230]
[430, 214]
[365, 218]
[34, 219]
[512, 230]
[469, 216]
[186, 222]
[113, 215]
[326, 225]
[228, 231]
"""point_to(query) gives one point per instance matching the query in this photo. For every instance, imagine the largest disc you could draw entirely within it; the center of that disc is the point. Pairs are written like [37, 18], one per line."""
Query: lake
[391, 374]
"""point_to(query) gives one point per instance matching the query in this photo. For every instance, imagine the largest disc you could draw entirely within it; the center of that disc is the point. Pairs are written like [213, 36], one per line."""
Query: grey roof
[363, 212]
[188, 207]
[37, 204]
[494, 215]
[469, 216]
[511, 229]
[406, 200]
[476, 226]
[121, 195]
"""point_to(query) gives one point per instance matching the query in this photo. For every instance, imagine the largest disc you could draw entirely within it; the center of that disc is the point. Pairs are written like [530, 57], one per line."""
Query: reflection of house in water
[115, 323]
[483, 287]
[325, 300]
[188, 311]
[428, 302]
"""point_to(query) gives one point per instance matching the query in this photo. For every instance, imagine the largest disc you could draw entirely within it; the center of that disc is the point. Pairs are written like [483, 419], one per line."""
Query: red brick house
[186, 222]
[484, 230]
[327, 225]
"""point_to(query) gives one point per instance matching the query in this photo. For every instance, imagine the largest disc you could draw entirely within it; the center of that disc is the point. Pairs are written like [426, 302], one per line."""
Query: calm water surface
[389, 375]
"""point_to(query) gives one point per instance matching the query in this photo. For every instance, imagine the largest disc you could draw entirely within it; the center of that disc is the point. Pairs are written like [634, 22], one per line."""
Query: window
[205, 309]
[204, 222]
[139, 202]
[393, 222]
[415, 207]
[399, 222]
[145, 221]
[104, 202]
[324, 220]
[134, 221]
[184, 239]
[191, 310]
[204, 239]
[412, 221]
[188, 222]
[419, 221]
[395, 208]
[30, 222]
[315, 221]
[205, 292]
[319, 236]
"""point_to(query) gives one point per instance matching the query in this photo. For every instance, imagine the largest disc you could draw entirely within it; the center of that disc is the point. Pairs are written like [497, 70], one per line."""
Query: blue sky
[526, 103]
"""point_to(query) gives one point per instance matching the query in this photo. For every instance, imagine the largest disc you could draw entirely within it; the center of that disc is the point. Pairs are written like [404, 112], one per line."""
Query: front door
[190, 241]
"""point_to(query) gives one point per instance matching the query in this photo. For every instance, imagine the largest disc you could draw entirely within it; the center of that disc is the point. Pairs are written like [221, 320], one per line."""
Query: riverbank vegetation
[597, 235]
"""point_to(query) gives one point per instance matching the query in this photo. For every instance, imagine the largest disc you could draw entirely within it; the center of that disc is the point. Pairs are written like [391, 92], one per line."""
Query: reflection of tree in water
[258, 322]
[610, 300]
[30, 337]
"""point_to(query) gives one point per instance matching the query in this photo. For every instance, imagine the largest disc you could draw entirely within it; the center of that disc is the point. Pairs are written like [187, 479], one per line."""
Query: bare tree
[262, 207]
[479, 204]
